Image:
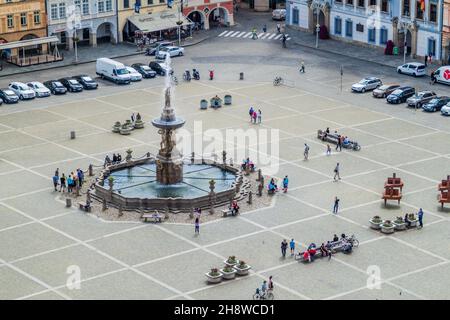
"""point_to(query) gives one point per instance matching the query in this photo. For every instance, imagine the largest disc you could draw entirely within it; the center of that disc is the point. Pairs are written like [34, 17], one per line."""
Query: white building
[88, 21]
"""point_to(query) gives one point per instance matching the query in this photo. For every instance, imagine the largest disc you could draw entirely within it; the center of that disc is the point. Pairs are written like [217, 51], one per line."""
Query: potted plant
[214, 276]
[228, 272]
[412, 220]
[399, 224]
[375, 222]
[116, 127]
[231, 261]
[387, 227]
[242, 268]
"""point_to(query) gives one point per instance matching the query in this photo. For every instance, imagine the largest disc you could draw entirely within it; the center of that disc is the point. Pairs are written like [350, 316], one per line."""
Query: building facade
[446, 32]
[21, 20]
[86, 21]
[207, 13]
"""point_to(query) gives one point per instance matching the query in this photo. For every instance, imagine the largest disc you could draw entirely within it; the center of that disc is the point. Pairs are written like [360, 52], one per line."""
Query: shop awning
[158, 21]
[28, 42]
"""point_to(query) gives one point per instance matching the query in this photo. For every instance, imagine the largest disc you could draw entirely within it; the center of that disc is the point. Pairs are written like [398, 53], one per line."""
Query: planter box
[116, 129]
[413, 223]
[125, 131]
[242, 272]
[387, 230]
[139, 124]
[399, 226]
[228, 275]
[376, 226]
[230, 264]
[214, 279]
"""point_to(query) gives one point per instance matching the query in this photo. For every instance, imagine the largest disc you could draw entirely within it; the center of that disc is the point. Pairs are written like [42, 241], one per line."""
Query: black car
[72, 85]
[145, 70]
[55, 87]
[159, 67]
[436, 104]
[8, 96]
[86, 81]
[400, 95]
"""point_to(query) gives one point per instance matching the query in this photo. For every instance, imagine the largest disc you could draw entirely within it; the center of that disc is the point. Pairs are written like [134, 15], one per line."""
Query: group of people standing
[68, 183]
[272, 186]
[116, 158]
[255, 115]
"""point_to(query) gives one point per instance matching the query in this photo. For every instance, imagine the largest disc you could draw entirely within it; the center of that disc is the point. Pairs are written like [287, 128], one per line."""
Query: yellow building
[126, 9]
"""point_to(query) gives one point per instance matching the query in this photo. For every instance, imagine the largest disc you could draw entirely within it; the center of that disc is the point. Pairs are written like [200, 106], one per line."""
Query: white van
[112, 70]
[441, 75]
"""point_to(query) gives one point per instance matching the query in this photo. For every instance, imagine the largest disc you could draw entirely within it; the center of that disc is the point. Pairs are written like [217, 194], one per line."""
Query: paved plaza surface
[40, 238]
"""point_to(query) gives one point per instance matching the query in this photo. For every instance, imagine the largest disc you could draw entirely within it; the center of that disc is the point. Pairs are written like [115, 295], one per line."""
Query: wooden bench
[329, 137]
[156, 217]
[227, 212]
[84, 207]
[444, 185]
[391, 194]
[444, 197]
[394, 183]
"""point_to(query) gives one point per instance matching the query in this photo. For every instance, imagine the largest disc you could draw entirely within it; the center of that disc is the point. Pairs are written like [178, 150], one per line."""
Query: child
[328, 150]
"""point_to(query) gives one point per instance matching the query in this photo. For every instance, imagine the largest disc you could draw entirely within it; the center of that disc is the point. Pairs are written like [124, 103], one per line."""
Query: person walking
[338, 142]
[55, 181]
[426, 61]
[80, 175]
[133, 118]
[250, 113]
[328, 153]
[285, 184]
[254, 116]
[420, 217]
[302, 67]
[265, 28]
[62, 180]
[254, 35]
[306, 152]
[336, 205]
[336, 172]
[292, 246]
[278, 28]
[284, 245]
[197, 225]
[259, 116]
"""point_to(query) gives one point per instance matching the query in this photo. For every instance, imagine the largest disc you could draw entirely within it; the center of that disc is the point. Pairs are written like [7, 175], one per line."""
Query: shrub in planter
[231, 261]
[214, 276]
[242, 268]
[412, 220]
[387, 227]
[228, 272]
[375, 222]
[399, 224]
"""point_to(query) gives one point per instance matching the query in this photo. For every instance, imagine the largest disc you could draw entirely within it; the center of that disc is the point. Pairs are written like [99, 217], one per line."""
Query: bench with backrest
[329, 137]
[394, 182]
[445, 184]
[391, 193]
[444, 197]
[228, 211]
[156, 217]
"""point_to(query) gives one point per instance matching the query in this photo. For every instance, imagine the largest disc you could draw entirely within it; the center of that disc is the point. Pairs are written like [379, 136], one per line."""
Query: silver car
[366, 84]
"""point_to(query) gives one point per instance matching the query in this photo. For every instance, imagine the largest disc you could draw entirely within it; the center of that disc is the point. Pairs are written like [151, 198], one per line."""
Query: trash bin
[68, 202]
[72, 135]
[241, 76]
[395, 51]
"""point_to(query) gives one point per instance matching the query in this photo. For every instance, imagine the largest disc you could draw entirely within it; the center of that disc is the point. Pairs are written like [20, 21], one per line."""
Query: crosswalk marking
[247, 35]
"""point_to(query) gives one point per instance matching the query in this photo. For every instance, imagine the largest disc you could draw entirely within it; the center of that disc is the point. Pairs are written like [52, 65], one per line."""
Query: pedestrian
[197, 225]
[259, 115]
[114, 160]
[302, 67]
[56, 180]
[429, 58]
[426, 60]
[119, 158]
[57, 172]
[107, 161]
[339, 143]
[254, 116]
[254, 35]
[133, 118]
[420, 217]
[306, 152]
[250, 113]
[336, 205]
[278, 28]
[328, 150]
[336, 172]
[285, 184]
[284, 245]
[69, 183]
[265, 28]
[62, 183]
[80, 177]
[292, 246]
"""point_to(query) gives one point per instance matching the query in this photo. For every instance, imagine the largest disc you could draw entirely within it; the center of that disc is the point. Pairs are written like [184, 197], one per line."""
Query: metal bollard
[72, 135]
[68, 202]
[241, 76]
[91, 170]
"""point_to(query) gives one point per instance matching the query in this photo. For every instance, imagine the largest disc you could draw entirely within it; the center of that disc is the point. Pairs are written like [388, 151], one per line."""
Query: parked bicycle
[268, 295]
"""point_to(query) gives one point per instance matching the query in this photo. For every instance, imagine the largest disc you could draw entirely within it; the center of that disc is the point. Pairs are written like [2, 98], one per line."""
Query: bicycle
[353, 241]
[263, 296]
[277, 81]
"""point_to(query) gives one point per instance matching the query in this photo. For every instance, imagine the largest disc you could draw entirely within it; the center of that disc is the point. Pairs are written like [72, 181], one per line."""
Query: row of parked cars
[395, 94]
[25, 91]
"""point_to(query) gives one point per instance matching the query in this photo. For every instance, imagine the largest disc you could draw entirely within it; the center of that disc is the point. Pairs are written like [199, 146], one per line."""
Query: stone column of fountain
[169, 162]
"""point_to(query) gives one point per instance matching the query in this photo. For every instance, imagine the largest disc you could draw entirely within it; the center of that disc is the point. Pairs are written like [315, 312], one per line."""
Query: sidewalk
[88, 54]
[374, 55]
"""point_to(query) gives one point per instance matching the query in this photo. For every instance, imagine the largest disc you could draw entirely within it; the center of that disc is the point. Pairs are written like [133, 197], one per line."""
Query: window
[360, 27]
[23, 19]
[295, 16]
[77, 3]
[433, 12]
[338, 1]
[349, 2]
[126, 3]
[383, 36]
[372, 35]
[161, 1]
[37, 17]
[101, 6]
[108, 5]
[361, 3]
[372, 2]
[384, 5]
[420, 9]
[85, 10]
[10, 20]
[149, 2]
[62, 10]
[406, 6]
[337, 26]
[54, 11]
[432, 47]
[348, 28]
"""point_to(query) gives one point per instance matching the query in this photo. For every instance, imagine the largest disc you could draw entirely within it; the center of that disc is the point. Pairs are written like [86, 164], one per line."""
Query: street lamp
[318, 5]
[403, 25]
[179, 22]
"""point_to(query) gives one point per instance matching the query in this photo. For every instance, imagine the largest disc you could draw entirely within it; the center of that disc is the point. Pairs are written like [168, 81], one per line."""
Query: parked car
[159, 67]
[112, 70]
[415, 69]
[400, 95]
[145, 70]
[8, 96]
[420, 98]
[1, 101]
[55, 87]
[22, 90]
[86, 81]
[445, 111]
[154, 48]
[365, 84]
[441, 75]
[279, 14]
[72, 85]
[39, 89]
[436, 104]
[384, 90]
[135, 76]
[172, 51]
